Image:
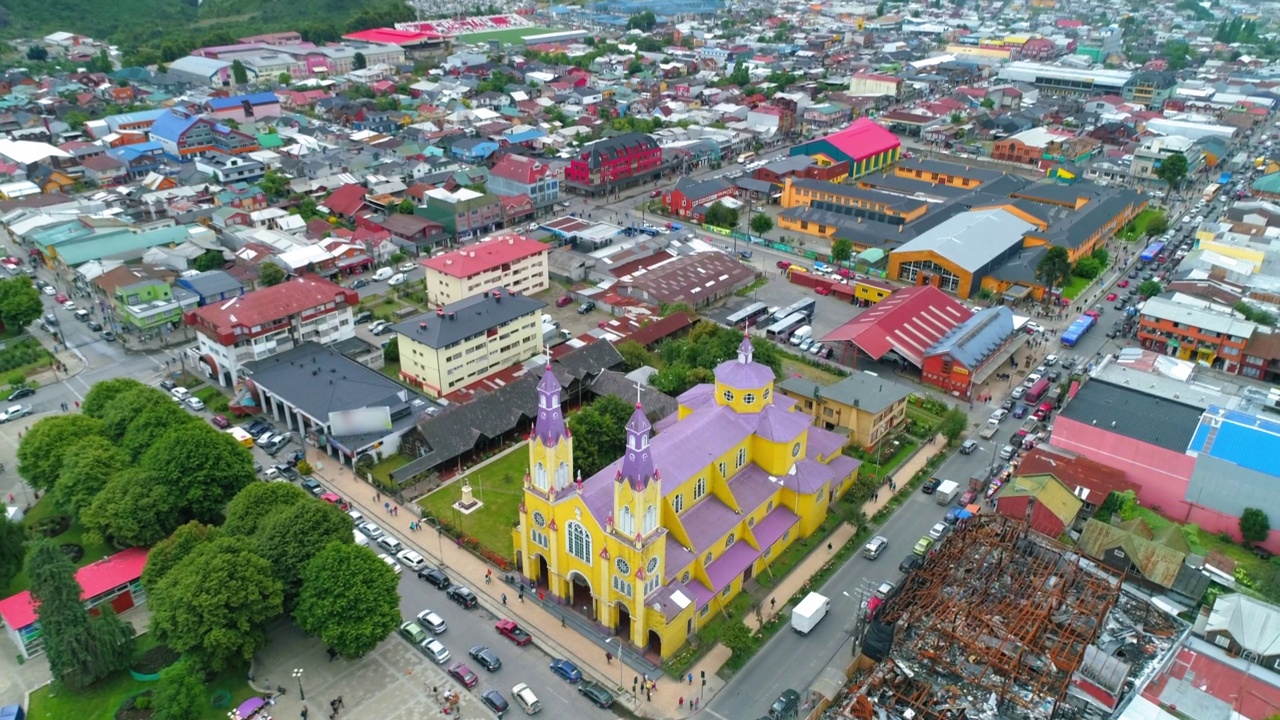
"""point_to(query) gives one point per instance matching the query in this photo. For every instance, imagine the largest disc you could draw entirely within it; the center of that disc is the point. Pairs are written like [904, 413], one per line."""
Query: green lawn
[1137, 229]
[506, 37]
[1075, 286]
[500, 486]
[213, 399]
[74, 535]
[382, 471]
[100, 701]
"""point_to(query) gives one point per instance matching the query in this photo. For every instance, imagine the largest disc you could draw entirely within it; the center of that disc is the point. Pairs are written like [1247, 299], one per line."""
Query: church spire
[745, 350]
[637, 463]
[549, 427]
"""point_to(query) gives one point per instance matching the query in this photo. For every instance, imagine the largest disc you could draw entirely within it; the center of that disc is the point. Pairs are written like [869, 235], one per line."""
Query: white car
[435, 650]
[1032, 379]
[13, 412]
[370, 530]
[432, 621]
[397, 279]
[939, 531]
[1051, 360]
[1186, 218]
[356, 516]
[391, 563]
[999, 415]
[1035, 327]
[411, 560]
[68, 305]
[48, 290]
[194, 403]
[408, 267]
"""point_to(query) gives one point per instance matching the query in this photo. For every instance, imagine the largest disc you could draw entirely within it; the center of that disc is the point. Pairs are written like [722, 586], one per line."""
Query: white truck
[992, 427]
[361, 540]
[811, 610]
[947, 492]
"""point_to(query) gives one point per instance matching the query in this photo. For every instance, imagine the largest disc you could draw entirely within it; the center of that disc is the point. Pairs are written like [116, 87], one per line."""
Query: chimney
[453, 316]
[439, 312]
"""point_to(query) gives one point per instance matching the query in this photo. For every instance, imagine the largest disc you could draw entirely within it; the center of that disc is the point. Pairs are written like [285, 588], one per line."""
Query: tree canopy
[13, 550]
[1054, 268]
[1173, 169]
[291, 536]
[202, 465]
[19, 302]
[761, 224]
[350, 599]
[721, 216]
[250, 508]
[690, 360]
[270, 274]
[170, 552]
[599, 433]
[180, 694]
[1254, 525]
[89, 464]
[44, 446]
[233, 595]
[81, 649]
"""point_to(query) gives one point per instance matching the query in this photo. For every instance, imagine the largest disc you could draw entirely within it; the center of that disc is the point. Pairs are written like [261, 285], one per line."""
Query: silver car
[435, 650]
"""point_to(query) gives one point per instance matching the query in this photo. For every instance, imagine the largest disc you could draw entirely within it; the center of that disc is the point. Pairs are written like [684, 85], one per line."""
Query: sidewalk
[466, 568]
[902, 476]
[799, 575]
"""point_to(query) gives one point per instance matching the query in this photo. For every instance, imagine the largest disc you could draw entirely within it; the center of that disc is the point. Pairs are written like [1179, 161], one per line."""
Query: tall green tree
[270, 274]
[88, 466]
[170, 552]
[359, 62]
[1054, 268]
[350, 599]
[722, 216]
[239, 75]
[274, 184]
[104, 393]
[1254, 525]
[180, 693]
[13, 550]
[841, 250]
[1149, 289]
[19, 303]
[954, 423]
[43, 448]
[151, 423]
[235, 594]
[203, 466]
[209, 260]
[249, 510]
[81, 649]
[133, 509]
[291, 536]
[761, 224]
[599, 433]
[1173, 168]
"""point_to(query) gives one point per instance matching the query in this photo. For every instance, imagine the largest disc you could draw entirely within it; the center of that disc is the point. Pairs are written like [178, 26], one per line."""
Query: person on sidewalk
[504, 599]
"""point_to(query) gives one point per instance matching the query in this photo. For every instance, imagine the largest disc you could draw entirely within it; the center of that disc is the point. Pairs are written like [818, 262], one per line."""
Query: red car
[220, 421]
[61, 298]
[783, 264]
[656, 193]
[822, 290]
[1111, 297]
[1123, 284]
[513, 632]
[463, 674]
[564, 301]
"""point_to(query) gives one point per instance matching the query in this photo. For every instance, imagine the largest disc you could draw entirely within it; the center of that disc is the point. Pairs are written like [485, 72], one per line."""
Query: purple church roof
[730, 564]
[745, 373]
[637, 463]
[549, 427]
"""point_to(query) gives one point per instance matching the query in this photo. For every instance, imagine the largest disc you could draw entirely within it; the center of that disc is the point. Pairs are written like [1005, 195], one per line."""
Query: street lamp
[622, 670]
[432, 520]
[297, 673]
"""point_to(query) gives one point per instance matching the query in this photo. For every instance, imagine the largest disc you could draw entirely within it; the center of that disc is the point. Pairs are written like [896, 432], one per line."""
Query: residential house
[473, 150]
[414, 232]
[243, 108]
[1245, 627]
[104, 170]
[692, 198]
[519, 175]
[151, 305]
[865, 407]
[463, 212]
[212, 286]
[511, 261]
[184, 136]
[1042, 501]
[230, 168]
[613, 163]
[1153, 559]
[140, 159]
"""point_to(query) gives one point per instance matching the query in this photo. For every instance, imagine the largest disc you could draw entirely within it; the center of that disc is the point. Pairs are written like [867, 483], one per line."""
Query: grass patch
[101, 700]
[1137, 229]
[382, 471]
[213, 399]
[506, 37]
[391, 370]
[74, 535]
[500, 486]
[23, 357]
[1075, 286]
[881, 471]
[791, 368]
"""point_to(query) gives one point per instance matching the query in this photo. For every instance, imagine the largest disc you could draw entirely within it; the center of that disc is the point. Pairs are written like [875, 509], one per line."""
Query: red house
[613, 163]
[964, 356]
[690, 198]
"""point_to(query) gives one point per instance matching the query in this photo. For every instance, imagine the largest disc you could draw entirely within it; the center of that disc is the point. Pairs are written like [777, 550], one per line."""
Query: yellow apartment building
[513, 262]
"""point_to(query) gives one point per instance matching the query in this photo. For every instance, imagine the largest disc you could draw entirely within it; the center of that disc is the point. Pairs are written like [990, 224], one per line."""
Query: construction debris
[1002, 623]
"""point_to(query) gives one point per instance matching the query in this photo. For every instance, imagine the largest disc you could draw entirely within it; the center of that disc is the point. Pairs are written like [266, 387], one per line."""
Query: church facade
[657, 542]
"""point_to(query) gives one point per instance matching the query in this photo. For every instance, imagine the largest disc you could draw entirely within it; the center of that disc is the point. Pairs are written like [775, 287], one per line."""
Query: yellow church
[654, 544]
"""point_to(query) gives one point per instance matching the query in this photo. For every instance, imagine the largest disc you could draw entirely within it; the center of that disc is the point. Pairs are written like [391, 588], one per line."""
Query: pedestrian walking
[504, 599]
[341, 704]
[488, 576]
[520, 595]
[332, 654]
[608, 658]
[690, 678]
[828, 552]
[681, 703]
[304, 712]
[387, 506]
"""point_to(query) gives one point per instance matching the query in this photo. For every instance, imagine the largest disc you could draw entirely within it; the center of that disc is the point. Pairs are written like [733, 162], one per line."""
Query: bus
[748, 315]
[1152, 252]
[1211, 191]
[779, 331]
[746, 157]
[1072, 335]
[803, 307]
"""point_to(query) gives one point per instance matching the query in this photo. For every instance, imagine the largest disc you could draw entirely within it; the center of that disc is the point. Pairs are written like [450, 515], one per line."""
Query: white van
[383, 274]
[801, 335]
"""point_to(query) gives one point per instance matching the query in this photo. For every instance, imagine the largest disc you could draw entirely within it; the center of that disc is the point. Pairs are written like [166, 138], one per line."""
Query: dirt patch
[52, 526]
[155, 660]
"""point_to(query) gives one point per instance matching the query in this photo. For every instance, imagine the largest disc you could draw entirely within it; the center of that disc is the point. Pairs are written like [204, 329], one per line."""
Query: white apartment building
[506, 261]
[269, 321]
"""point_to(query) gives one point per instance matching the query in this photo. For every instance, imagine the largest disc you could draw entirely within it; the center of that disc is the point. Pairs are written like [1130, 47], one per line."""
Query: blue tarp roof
[1242, 439]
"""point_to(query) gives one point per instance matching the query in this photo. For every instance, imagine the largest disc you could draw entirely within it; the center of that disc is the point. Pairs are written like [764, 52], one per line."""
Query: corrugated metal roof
[1158, 563]
[977, 338]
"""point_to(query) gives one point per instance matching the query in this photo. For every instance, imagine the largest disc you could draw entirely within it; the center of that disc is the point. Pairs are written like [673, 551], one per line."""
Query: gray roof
[794, 163]
[1134, 414]
[863, 390]
[467, 318]
[949, 168]
[973, 341]
[212, 282]
[889, 200]
[972, 240]
[695, 190]
[318, 381]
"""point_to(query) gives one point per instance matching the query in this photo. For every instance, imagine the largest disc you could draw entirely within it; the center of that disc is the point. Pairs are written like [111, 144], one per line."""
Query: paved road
[468, 628]
[791, 660]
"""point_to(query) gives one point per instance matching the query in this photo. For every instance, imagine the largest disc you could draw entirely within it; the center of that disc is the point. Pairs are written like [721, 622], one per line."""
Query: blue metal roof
[262, 98]
[171, 125]
[115, 121]
[1242, 439]
[974, 340]
[131, 152]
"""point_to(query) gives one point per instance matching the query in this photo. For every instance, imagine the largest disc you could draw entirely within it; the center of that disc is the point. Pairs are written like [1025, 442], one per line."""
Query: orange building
[1195, 330]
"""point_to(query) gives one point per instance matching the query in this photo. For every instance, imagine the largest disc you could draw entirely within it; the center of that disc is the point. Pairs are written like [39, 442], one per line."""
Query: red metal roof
[18, 611]
[1252, 697]
[473, 259]
[269, 304]
[909, 321]
[1089, 480]
[391, 36]
[863, 139]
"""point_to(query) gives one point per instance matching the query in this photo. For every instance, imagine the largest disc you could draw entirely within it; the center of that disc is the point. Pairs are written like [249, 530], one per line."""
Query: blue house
[212, 286]
[475, 150]
[140, 159]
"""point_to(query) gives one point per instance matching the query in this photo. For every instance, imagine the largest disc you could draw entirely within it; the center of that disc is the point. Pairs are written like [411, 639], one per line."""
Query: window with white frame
[650, 519]
[651, 585]
[1222, 640]
[626, 521]
[623, 587]
[577, 541]
[699, 488]
[540, 538]
[540, 476]
[562, 476]
[678, 502]
[742, 458]
[724, 472]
